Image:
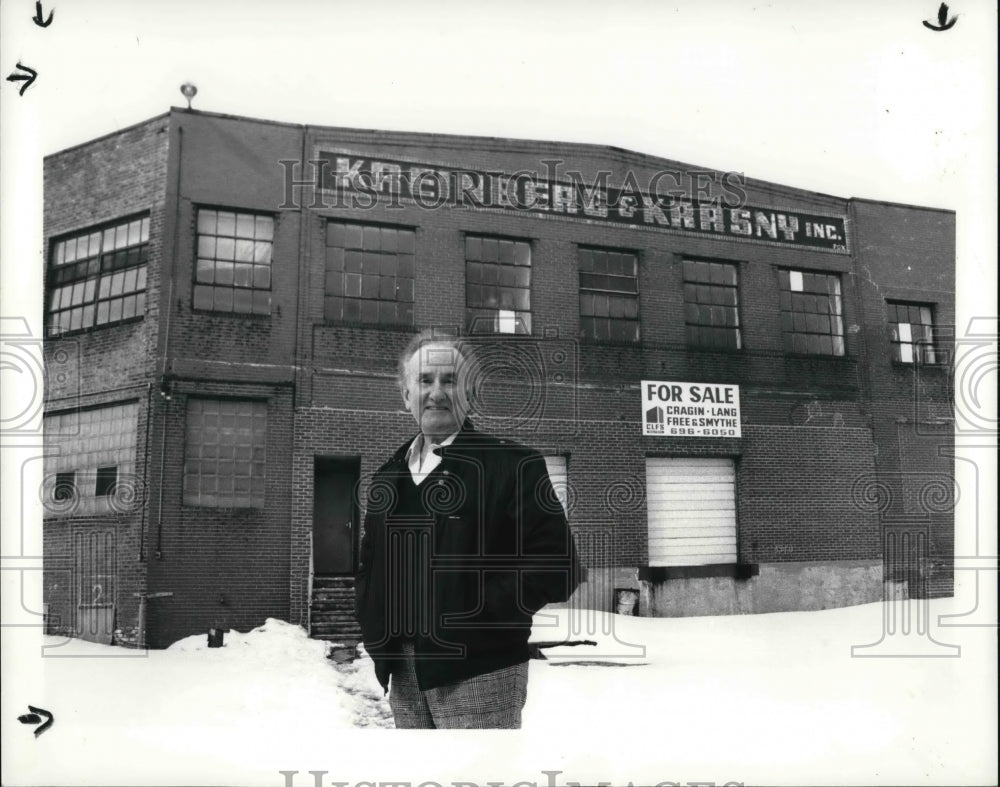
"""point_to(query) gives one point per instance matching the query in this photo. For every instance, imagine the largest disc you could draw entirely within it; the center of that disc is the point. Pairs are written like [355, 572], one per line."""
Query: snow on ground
[758, 698]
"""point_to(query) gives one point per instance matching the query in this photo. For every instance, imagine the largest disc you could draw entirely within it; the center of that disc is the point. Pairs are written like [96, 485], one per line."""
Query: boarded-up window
[691, 507]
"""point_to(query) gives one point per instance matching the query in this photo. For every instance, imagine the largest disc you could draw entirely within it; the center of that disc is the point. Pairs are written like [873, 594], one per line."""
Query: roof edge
[147, 121]
[506, 143]
[906, 205]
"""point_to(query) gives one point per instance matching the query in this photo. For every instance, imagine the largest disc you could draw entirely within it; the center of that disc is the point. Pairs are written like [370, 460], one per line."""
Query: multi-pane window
[369, 274]
[497, 285]
[233, 272]
[711, 304]
[90, 460]
[811, 314]
[912, 332]
[609, 295]
[224, 453]
[98, 277]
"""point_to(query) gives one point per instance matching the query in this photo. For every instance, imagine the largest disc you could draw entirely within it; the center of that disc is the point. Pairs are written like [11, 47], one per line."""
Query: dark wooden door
[334, 515]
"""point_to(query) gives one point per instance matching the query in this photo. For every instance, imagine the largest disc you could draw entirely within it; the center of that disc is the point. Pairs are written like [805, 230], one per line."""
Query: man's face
[434, 390]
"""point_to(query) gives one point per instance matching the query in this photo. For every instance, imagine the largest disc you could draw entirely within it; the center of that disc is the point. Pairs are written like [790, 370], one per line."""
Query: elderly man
[464, 541]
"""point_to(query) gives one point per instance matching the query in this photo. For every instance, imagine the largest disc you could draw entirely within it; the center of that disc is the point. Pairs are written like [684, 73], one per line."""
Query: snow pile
[758, 698]
[281, 669]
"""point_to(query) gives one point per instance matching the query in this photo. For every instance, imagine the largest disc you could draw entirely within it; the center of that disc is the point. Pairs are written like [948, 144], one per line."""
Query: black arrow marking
[943, 22]
[28, 76]
[36, 716]
[37, 18]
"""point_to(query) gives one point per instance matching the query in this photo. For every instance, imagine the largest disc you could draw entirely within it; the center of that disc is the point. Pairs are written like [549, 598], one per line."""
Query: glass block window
[224, 453]
[90, 461]
[369, 274]
[98, 277]
[811, 314]
[711, 304]
[912, 332]
[609, 295]
[233, 269]
[497, 285]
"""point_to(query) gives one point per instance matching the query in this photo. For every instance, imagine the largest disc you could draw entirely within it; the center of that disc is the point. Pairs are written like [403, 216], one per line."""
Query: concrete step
[335, 632]
[345, 603]
[333, 595]
[333, 614]
[333, 582]
[332, 611]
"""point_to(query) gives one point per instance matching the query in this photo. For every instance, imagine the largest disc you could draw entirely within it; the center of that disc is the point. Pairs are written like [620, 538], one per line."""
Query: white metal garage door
[556, 465]
[691, 510]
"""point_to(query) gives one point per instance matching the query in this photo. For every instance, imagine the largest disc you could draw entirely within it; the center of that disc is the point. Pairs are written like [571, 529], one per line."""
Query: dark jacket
[498, 549]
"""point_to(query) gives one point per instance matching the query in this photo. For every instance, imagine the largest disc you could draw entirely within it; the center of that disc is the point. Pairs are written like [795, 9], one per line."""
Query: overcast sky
[854, 99]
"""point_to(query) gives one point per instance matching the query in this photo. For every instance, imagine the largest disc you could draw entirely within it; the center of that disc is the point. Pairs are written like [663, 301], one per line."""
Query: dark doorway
[335, 515]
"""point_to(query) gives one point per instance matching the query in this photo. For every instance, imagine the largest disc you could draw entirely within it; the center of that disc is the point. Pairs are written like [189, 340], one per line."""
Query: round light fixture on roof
[189, 91]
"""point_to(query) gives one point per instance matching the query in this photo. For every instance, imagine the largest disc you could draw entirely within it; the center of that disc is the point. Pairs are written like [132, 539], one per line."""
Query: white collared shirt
[421, 458]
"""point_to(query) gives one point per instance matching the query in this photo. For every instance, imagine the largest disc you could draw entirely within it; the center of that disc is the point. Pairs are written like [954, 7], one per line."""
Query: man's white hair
[432, 336]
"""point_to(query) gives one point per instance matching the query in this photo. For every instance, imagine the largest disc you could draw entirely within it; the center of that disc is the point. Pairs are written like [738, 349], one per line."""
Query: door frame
[352, 465]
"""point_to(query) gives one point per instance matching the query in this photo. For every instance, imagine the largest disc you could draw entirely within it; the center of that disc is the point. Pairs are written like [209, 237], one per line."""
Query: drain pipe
[164, 381]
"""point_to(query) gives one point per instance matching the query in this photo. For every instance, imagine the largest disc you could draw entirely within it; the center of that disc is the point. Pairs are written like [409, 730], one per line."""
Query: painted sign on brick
[661, 202]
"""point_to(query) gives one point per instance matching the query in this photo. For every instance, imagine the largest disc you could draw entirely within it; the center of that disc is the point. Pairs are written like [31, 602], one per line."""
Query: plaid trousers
[485, 702]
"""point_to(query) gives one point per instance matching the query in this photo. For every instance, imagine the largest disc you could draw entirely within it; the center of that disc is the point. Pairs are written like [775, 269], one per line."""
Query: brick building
[742, 389]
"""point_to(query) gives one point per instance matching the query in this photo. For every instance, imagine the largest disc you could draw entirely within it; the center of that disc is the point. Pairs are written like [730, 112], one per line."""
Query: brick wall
[100, 181]
[234, 165]
[907, 254]
[226, 567]
[811, 425]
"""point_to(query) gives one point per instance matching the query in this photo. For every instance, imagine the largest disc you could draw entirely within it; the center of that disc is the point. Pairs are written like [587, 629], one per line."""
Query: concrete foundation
[779, 587]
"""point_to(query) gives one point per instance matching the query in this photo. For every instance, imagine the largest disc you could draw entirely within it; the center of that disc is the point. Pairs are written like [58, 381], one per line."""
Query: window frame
[567, 499]
[478, 316]
[105, 265]
[737, 308]
[788, 333]
[104, 482]
[404, 306]
[65, 487]
[213, 286]
[257, 499]
[919, 348]
[618, 294]
[86, 443]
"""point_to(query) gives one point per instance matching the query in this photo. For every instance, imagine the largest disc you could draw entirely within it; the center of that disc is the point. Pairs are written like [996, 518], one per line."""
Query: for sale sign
[671, 409]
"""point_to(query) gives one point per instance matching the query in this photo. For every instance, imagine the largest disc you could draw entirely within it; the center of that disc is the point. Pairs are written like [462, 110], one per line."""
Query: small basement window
[107, 479]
